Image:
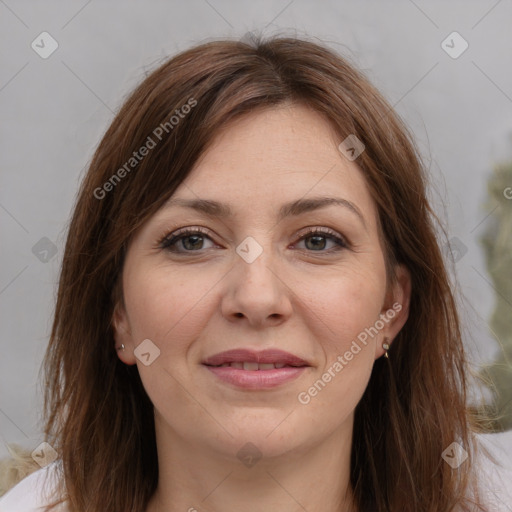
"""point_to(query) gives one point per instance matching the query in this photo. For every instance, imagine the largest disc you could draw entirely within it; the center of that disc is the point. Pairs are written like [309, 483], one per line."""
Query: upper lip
[265, 356]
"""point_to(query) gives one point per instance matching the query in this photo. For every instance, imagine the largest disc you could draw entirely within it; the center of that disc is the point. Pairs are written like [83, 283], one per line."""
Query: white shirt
[34, 491]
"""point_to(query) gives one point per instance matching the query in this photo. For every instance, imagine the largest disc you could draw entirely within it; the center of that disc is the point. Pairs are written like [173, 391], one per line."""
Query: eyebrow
[293, 208]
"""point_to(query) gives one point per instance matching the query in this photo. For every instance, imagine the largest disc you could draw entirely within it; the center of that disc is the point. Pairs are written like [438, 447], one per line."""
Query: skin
[310, 300]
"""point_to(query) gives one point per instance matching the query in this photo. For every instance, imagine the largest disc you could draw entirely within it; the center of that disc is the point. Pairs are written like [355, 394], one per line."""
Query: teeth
[253, 366]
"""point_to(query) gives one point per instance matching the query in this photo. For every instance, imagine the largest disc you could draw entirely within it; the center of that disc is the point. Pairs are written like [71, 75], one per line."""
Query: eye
[316, 240]
[189, 239]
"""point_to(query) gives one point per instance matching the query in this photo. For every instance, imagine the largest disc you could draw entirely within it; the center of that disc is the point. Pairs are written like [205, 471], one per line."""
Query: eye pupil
[319, 242]
[198, 239]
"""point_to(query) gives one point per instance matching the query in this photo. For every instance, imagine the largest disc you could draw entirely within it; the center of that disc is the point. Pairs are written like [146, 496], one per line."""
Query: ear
[122, 335]
[395, 310]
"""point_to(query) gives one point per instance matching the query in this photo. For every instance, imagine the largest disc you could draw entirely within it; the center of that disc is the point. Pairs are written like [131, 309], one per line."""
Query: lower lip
[256, 379]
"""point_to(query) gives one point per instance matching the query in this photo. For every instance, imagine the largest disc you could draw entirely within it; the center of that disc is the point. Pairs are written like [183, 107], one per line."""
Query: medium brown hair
[99, 417]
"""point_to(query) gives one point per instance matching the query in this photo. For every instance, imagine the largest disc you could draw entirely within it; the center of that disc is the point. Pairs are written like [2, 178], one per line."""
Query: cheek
[353, 304]
[342, 315]
[345, 305]
[164, 305]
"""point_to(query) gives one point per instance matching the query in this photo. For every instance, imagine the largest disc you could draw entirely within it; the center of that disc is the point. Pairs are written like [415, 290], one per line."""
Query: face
[308, 280]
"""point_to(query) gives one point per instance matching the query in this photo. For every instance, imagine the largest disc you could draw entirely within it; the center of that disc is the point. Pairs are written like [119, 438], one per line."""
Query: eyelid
[324, 230]
[170, 238]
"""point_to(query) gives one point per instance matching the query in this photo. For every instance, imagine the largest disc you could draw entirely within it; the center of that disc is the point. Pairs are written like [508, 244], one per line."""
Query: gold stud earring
[385, 346]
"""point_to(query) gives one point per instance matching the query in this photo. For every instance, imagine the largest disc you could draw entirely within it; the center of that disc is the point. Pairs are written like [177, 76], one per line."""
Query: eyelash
[171, 239]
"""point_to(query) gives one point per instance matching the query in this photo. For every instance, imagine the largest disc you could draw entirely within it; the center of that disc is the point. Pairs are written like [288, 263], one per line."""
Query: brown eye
[189, 240]
[316, 240]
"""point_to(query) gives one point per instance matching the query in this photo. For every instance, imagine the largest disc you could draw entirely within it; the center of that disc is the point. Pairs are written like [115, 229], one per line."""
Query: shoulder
[494, 470]
[33, 492]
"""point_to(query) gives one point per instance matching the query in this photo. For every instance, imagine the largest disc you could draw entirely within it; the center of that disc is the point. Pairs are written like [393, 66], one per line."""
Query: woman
[253, 311]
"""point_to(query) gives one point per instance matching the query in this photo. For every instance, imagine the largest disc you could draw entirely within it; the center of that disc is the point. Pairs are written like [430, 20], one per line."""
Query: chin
[272, 439]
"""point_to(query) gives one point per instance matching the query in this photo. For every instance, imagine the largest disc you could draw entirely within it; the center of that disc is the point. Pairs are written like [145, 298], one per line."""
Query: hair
[98, 415]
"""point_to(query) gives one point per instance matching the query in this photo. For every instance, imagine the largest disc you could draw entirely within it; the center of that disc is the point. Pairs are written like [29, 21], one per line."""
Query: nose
[256, 292]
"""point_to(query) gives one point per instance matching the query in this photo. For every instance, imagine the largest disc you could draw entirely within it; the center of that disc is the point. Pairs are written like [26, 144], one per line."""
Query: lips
[242, 369]
[269, 359]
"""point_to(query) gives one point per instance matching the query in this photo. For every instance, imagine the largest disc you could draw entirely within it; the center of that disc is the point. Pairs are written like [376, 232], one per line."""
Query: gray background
[54, 111]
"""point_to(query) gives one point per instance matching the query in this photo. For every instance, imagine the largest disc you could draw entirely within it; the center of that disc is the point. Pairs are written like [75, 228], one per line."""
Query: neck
[194, 478]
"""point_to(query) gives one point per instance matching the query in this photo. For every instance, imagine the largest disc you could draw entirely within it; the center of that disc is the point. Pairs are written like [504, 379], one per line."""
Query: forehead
[274, 156]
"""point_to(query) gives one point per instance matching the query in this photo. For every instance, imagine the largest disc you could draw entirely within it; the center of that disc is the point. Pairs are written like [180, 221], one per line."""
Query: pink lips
[265, 356]
[290, 367]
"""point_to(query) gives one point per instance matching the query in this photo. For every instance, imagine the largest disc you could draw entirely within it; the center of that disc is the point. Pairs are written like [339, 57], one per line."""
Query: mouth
[255, 370]
[251, 360]
[253, 366]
